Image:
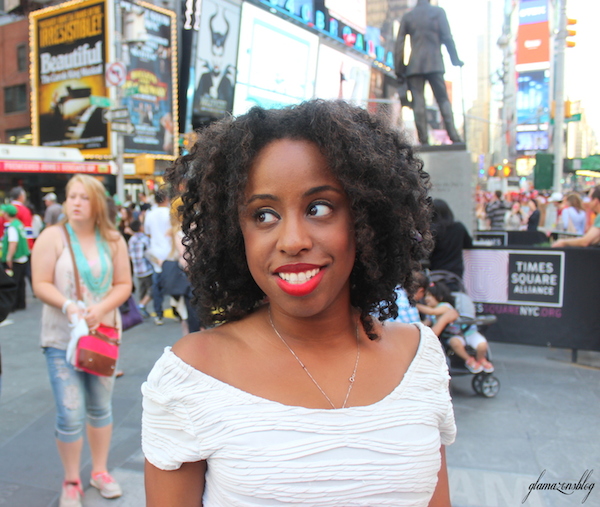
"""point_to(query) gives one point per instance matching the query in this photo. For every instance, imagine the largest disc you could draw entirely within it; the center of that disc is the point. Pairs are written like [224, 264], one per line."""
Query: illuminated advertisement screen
[276, 61]
[351, 12]
[533, 140]
[340, 76]
[533, 43]
[216, 56]
[533, 11]
[67, 76]
[533, 106]
[147, 52]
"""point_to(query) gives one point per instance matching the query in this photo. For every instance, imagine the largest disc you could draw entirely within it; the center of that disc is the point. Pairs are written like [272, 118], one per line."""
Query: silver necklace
[350, 380]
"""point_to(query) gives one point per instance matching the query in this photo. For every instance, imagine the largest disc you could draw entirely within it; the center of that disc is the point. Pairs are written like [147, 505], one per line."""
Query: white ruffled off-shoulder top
[263, 453]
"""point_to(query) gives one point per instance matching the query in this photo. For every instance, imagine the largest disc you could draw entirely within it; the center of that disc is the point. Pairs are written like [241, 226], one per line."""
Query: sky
[468, 20]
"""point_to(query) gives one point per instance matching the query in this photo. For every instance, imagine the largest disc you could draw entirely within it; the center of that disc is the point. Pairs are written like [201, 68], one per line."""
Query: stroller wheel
[486, 385]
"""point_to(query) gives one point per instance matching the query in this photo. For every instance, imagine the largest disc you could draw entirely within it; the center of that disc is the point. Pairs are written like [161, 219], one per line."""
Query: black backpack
[8, 294]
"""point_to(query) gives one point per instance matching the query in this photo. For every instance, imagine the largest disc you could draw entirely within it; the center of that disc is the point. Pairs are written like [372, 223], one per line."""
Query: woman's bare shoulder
[403, 336]
[212, 351]
[50, 237]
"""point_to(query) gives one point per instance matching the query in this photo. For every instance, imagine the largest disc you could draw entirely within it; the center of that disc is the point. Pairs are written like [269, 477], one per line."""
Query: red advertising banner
[29, 166]
[533, 43]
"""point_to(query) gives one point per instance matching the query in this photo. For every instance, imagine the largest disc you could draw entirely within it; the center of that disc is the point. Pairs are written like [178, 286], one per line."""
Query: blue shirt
[406, 313]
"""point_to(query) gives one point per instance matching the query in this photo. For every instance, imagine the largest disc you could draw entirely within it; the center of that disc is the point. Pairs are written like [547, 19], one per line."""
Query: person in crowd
[8, 293]
[533, 221]
[53, 209]
[181, 293]
[553, 210]
[15, 253]
[450, 238]
[124, 222]
[592, 235]
[440, 309]
[139, 246]
[299, 225]
[514, 217]
[407, 312]
[18, 198]
[82, 400]
[495, 211]
[573, 216]
[157, 225]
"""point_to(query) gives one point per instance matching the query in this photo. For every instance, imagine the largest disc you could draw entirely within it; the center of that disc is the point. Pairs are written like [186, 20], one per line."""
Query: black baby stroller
[485, 384]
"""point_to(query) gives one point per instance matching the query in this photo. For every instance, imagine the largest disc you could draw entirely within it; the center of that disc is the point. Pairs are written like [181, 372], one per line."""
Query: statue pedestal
[453, 179]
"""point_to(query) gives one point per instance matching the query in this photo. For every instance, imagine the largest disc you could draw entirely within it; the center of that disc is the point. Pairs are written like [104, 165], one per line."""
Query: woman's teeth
[298, 278]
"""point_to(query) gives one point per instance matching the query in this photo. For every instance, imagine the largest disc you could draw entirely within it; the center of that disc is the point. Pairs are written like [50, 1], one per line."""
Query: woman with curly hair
[299, 223]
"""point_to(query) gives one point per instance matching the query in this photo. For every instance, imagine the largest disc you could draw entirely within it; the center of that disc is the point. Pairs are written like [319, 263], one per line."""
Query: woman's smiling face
[298, 228]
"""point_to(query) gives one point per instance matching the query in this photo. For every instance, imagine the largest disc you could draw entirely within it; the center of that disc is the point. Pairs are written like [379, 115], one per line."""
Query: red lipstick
[299, 289]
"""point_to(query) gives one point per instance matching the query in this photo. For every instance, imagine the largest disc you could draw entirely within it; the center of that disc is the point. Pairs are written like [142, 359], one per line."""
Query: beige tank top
[55, 326]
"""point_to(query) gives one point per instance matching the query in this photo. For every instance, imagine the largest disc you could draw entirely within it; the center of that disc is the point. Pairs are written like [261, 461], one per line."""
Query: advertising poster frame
[215, 60]
[150, 92]
[68, 58]
[266, 77]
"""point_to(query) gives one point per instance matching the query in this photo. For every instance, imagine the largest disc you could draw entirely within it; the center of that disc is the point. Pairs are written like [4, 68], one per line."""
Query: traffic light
[492, 171]
[570, 32]
[506, 171]
[567, 108]
[144, 164]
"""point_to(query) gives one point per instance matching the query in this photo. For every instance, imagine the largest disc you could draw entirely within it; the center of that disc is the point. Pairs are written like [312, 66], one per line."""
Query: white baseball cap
[50, 197]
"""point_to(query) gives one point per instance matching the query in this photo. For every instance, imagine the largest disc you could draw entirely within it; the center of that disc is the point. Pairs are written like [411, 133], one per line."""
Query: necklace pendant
[351, 379]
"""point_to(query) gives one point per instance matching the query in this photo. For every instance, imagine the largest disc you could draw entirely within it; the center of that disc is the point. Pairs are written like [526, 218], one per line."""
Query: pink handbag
[97, 352]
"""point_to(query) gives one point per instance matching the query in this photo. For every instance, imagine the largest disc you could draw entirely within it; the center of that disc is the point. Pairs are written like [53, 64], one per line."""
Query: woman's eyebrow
[323, 188]
[261, 197]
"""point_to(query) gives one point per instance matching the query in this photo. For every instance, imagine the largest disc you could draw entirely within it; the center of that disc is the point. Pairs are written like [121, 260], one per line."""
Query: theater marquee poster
[67, 76]
[150, 92]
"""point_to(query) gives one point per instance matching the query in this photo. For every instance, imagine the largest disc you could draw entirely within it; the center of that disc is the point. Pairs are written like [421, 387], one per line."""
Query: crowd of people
[555, 212]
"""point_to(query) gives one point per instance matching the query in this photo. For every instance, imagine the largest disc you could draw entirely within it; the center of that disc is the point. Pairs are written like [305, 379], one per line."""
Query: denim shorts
[77, 394]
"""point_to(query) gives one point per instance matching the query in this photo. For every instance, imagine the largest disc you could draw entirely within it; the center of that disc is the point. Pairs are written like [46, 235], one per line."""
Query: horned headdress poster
[68, 84]
[215, 63]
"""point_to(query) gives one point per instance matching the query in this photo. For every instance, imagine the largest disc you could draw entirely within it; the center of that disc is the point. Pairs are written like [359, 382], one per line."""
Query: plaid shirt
[406, 313]
[138, 244]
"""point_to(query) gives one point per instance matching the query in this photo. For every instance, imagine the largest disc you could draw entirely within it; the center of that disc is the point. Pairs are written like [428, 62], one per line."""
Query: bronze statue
[428, 28]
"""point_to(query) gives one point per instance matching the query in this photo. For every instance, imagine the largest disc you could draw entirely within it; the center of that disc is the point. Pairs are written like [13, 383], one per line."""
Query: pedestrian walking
[157, 225]
[15, 253]
[82, 400]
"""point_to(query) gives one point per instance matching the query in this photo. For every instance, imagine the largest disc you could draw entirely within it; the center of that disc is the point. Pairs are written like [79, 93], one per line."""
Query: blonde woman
[105, 281]
[573, 217]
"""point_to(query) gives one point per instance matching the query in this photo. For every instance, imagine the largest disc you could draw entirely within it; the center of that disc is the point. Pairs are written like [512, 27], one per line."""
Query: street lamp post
[559, 95]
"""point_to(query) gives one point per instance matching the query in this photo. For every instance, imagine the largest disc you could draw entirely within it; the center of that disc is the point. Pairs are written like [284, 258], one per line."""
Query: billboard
[340, 76]
[533, 44]
[68, 59]
[533, 34]
[533, 97]
[150, 95]
[536, 140]
[214, 68]
[276, 61]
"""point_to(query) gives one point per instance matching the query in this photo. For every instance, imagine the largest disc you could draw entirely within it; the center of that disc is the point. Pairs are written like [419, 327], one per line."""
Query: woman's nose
[294, 236]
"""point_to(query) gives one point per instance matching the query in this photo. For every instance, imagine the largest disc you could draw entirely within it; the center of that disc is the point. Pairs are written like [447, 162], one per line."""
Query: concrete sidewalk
[546, 417]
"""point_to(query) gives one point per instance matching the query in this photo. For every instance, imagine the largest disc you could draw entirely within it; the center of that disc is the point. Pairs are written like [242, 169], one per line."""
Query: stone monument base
[452, 179]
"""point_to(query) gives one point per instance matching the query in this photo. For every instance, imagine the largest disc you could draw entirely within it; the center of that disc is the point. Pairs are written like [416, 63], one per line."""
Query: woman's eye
[265, 216]
[319, 210]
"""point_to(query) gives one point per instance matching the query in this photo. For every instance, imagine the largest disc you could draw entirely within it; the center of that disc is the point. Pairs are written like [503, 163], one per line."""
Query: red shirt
[26, 217]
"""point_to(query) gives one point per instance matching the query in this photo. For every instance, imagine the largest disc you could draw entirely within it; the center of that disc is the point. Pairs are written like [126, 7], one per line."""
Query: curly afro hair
[385, 183]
